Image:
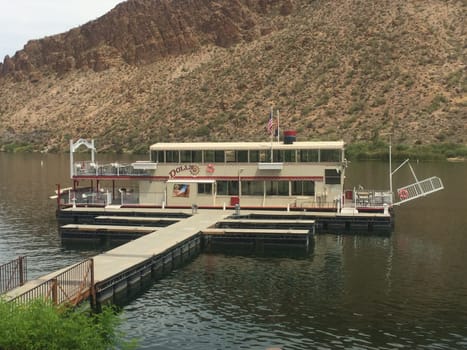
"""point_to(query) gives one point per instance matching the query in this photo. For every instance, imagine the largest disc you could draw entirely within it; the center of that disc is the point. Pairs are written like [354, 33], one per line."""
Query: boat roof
[179, 146]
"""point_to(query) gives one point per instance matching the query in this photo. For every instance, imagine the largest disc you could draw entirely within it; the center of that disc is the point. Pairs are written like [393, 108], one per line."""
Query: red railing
[13, 274]
[71, 286]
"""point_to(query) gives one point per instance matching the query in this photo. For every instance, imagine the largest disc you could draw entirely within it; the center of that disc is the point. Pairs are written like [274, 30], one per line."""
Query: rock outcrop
[198, 70]
[141, 31]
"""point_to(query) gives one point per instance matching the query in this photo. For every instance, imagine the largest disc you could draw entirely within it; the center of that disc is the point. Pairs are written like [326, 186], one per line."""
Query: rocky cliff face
[141, 31]
[198, 70]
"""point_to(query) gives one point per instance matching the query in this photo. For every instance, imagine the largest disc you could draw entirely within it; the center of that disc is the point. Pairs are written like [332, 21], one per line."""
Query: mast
[390, 167]
[271, 132]
[278, 130]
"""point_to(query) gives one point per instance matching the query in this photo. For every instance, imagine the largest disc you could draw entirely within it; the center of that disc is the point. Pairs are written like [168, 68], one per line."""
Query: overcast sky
[23, 20]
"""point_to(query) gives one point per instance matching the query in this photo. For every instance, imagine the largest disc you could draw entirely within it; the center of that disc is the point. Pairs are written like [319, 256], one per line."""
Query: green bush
[40, 325]
[356, 107]
[436, 103]
[17, 147]
[380, 150]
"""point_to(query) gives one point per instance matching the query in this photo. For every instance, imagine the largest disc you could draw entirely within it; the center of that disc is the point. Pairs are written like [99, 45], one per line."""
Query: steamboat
[292, 176]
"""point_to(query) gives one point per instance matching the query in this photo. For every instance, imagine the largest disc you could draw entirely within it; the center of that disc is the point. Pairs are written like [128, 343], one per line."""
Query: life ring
[194, 170]
[403, 193]
[210, 168]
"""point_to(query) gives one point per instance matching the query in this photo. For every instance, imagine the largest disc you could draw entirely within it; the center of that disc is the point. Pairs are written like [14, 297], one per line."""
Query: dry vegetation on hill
[351, 69]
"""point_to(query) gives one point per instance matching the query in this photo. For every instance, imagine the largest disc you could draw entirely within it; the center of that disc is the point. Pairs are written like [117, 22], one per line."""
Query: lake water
[404, 291]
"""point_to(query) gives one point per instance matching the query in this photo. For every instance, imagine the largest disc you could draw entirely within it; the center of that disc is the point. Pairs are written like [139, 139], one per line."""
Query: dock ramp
[419, 189]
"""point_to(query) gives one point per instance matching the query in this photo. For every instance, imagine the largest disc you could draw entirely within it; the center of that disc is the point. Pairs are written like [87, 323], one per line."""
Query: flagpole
[272, 132]
[278, 130]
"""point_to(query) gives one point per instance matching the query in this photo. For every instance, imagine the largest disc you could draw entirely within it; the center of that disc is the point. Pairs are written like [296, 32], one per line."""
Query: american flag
[270, 126]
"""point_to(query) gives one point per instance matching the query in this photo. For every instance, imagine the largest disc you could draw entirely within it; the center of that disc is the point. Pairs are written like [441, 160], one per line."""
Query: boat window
[227, 188]
[204, 188]
[209, 156]
[284, 156]
[278, 156]
[230, 156]
[171, 157]
[254, 156]
[332, 177]
[308, 155]
[196, 156]
[160, 157]
[185, 157]
[330, 155]
[154, 156]
[308, 188]
[277, 188]
[290, 156]
[252, 188]
[303, 188]
[264, 156]
[219, 156]
[222, 188]
[242, 156]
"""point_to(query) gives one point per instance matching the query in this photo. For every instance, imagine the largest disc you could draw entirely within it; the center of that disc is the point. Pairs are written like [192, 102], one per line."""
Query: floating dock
[150, 256]
[325, 222]
[157, 251]
[116, 232]
[96, 215]
[162, 239]
[334, 223]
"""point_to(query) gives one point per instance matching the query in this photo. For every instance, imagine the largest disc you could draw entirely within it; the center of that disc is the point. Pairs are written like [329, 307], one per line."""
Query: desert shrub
[40, 325]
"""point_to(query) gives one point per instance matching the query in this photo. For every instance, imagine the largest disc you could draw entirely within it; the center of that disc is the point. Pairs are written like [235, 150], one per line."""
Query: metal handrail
[368, 198]
[13, 274]
[88, 168]
[71, 286]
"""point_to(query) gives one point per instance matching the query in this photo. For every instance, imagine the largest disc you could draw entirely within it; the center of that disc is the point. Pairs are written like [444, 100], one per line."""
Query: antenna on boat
[390, 167]
[390, 164]
[271, 129]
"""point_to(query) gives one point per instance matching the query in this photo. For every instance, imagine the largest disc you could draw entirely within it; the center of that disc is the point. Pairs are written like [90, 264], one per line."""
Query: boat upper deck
[219, 153]
[170, 146]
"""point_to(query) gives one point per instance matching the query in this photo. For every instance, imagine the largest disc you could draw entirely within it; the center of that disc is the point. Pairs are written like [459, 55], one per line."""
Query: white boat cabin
[251, 174]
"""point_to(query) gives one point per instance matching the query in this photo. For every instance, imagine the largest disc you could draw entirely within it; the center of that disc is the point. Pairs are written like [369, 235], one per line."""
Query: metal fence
[71, 286]
[13, 274]
[367, 198]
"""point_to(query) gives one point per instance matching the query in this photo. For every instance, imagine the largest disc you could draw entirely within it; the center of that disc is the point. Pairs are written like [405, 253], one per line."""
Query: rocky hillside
[171, 70]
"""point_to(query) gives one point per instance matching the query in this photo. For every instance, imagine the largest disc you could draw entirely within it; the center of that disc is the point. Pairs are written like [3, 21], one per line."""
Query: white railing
[419, 189]
[87, 168]
[367, 198]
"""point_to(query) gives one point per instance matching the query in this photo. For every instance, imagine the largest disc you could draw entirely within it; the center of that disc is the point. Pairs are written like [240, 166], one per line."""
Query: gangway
[418, 188]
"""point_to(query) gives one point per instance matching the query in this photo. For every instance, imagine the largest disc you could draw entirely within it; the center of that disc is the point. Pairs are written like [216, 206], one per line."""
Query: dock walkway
[111, 263]
[120, 264]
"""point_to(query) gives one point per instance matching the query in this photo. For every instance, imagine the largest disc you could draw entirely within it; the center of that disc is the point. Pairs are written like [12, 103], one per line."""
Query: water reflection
[404, 291]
